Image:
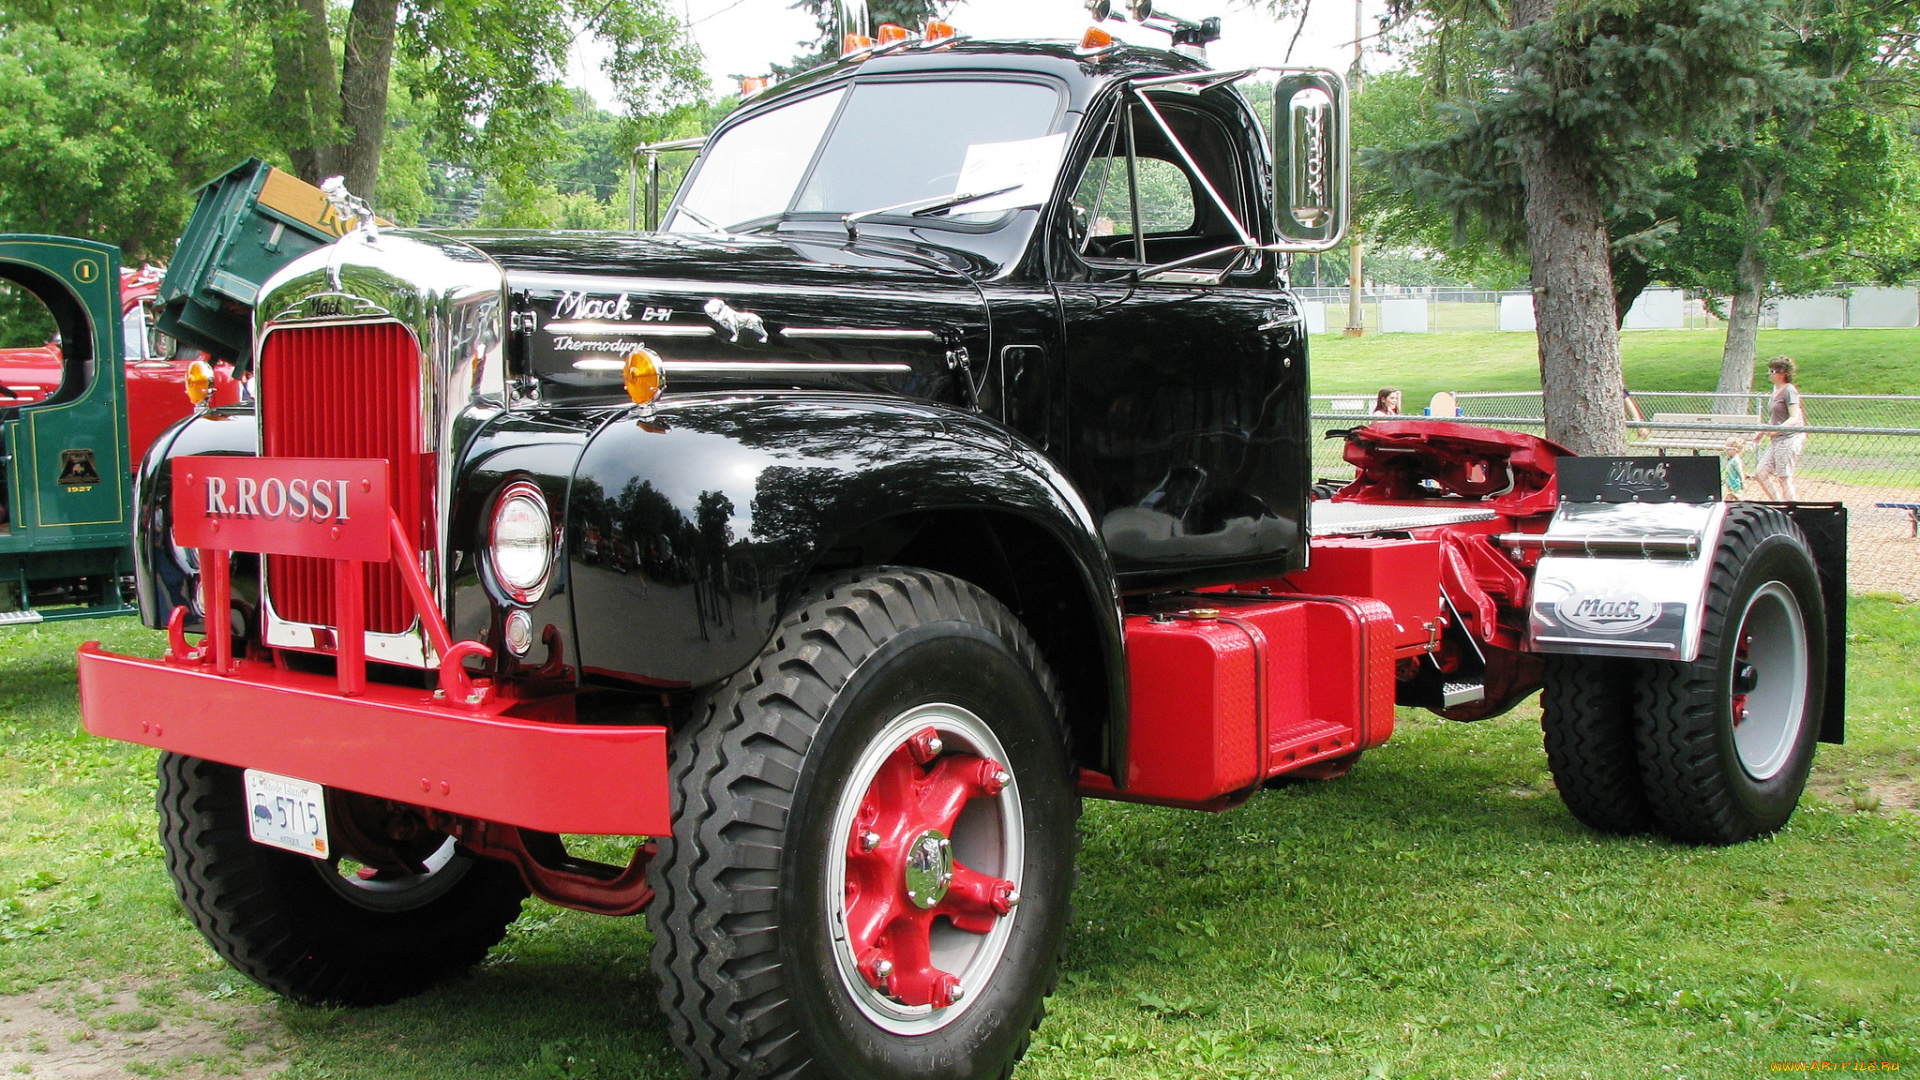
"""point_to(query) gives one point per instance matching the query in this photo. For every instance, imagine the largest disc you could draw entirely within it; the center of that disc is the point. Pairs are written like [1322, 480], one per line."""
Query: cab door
[1186, 389]
[66, 474]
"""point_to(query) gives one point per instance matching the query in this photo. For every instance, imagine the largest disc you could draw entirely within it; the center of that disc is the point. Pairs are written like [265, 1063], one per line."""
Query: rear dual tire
[1716, 751]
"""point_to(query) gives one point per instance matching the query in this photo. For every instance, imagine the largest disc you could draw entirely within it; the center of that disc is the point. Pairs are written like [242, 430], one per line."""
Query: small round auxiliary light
[643, 376]
[199, 381]
[519, 631]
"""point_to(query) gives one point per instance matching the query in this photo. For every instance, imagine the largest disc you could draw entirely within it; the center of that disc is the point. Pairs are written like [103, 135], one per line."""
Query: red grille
[347, 392]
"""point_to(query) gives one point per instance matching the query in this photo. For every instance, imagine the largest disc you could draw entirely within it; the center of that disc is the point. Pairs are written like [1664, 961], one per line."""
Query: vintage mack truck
[944, 461]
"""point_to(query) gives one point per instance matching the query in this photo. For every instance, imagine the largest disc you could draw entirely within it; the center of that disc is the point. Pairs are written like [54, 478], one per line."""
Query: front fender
[691, 529]
[163, 580]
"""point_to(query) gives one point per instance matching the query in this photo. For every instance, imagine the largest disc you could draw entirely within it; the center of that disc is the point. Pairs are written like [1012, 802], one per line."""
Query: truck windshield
[893, 142]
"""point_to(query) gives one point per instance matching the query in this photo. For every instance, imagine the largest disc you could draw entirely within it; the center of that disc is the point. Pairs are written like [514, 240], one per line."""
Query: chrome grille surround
[452, 299]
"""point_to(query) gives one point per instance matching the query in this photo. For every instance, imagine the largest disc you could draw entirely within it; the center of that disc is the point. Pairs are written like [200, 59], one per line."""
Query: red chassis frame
[476, 762]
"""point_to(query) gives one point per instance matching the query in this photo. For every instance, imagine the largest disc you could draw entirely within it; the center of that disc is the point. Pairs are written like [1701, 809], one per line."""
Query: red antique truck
[943, 462]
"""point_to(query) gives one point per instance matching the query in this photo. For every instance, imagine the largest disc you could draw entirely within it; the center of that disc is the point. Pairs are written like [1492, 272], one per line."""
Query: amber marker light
[643, 376]
[892, 32]
[199, 381]
[936, 31]
[1095, 39]
[854, 43]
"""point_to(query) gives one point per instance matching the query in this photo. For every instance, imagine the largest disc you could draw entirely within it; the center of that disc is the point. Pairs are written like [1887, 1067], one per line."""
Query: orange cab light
[753, 85]
[892, 32]
[199, 381]
[643, 376]
[1095, 39]
[854, 43]
[936, 31]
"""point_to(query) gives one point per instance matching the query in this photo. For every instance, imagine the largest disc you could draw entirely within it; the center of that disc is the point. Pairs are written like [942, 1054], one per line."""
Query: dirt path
[109, 1033]
[1882, 554]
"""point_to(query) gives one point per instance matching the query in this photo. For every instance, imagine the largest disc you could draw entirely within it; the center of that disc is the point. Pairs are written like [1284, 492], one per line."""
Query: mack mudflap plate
[1691, 479]
[287, 813]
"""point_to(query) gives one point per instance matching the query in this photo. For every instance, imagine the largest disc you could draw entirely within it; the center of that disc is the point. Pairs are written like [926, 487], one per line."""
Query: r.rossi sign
[324, 508]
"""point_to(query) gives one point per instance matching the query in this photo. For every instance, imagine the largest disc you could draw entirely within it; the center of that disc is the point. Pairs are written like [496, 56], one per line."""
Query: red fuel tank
[1234, 690]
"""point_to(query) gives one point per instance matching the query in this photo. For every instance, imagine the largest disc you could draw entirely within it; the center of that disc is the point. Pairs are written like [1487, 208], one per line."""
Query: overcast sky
[745, 37]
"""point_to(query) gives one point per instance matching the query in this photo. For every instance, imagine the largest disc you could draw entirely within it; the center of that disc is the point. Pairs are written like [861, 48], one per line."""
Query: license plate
[286, 813]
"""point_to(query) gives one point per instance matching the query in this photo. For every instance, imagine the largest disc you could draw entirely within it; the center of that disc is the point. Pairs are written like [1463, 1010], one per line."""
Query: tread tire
[751, 775]
[1695, 783]
[1587, 720]
[269, 914]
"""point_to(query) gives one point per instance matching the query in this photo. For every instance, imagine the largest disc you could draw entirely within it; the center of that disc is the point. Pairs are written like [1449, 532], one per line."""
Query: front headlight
[520, 542]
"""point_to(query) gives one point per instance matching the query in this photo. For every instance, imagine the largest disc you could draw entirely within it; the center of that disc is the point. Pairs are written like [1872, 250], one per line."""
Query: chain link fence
[1861, 449]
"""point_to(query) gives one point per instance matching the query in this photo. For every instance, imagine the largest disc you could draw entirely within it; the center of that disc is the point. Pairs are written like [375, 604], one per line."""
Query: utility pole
[1356, 280]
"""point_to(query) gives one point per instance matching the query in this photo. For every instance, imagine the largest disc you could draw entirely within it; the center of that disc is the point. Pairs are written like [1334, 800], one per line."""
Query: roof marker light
[1095, 39]
[892, 32]
[854, 43]
[753, 84]
[936, 31]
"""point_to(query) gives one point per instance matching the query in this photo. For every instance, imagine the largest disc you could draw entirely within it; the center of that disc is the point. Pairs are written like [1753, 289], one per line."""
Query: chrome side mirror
[1311, 160]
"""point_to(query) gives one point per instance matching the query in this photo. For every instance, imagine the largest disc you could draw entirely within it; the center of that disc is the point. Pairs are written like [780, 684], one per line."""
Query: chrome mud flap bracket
[1625, 561]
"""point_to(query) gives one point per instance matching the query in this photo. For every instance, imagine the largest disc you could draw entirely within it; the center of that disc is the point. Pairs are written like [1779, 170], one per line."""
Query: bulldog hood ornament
[349, 207]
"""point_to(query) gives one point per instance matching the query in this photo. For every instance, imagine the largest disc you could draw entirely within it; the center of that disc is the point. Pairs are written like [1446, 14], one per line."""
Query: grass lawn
[1436, 913]
[1831, 361]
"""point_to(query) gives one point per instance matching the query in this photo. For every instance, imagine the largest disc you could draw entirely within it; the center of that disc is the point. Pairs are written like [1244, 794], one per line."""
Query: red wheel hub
[901, 873]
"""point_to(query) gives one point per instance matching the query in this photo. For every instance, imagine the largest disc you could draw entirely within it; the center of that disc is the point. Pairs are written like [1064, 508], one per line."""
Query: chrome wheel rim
[1767, 690]
[969, 874]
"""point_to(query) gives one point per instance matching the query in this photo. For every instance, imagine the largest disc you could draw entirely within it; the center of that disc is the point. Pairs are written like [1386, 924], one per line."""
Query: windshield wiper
[918, 208]
[702, 220]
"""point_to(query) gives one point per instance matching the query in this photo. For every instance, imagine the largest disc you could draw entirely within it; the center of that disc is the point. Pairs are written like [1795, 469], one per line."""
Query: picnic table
[1710, 437]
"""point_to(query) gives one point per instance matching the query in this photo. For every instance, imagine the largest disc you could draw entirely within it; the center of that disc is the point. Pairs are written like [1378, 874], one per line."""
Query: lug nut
[883, 969]
[869, 841]
[955, 993]
[1013, 898]
[935, 746]
[1003, 778]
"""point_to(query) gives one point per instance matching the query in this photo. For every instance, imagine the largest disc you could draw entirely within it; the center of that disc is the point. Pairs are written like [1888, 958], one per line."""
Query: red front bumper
[394, 743]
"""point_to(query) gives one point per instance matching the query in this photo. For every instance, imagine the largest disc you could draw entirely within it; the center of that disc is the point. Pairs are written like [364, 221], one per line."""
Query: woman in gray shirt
[1782, 452]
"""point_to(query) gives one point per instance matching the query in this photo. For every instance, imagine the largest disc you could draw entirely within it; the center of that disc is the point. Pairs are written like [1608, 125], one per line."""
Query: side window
[1166, 197]
[1177, 218]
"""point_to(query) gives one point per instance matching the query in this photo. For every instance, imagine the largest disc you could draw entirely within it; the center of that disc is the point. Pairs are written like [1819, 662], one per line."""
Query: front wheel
[324, 931]
[1726, 742]
[874, 834]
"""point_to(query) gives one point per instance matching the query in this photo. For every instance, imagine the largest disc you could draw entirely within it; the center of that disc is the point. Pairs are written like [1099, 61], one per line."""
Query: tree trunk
[335, 114]
[1572, 282]
[1742, 350]
[364, 78]
[1573, 301]
[313, 91]
[1743, 332]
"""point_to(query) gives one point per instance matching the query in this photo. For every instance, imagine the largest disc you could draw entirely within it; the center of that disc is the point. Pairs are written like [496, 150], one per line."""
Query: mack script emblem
[1611, 612]
[1630, 475]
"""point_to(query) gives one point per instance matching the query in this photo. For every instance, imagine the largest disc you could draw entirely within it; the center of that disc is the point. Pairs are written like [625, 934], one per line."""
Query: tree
[491, 68]
[1817, 184]
[1586, 106]
[111, 110]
